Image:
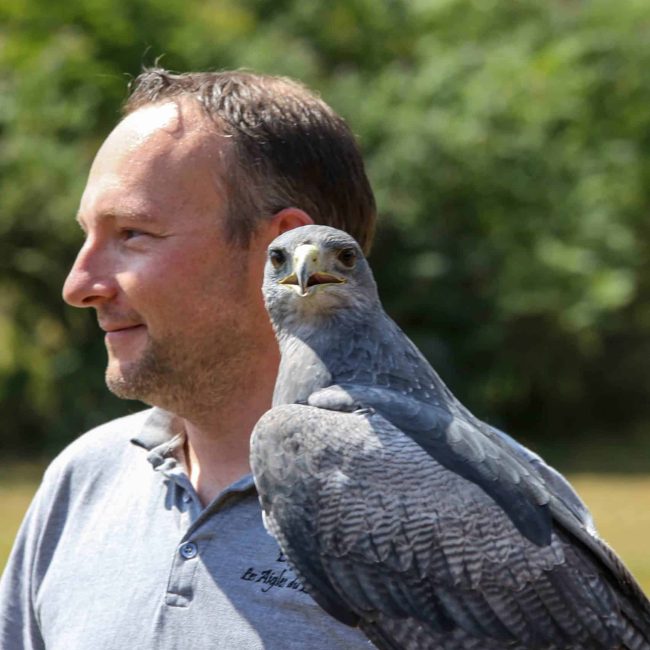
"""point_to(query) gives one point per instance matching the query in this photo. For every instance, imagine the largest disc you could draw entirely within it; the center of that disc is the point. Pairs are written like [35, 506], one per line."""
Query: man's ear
[288, 219]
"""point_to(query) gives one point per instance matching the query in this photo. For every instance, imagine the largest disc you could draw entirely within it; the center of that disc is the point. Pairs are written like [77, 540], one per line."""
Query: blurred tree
[507, 142]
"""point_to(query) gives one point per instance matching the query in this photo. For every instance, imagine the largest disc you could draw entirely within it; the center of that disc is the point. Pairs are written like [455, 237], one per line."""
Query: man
[146, 532]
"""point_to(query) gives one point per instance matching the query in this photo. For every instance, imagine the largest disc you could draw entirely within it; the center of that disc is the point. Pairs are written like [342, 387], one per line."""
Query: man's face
[181, 305]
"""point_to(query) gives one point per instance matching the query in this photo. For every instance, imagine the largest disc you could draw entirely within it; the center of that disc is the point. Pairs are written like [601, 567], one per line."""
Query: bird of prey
[403, 513]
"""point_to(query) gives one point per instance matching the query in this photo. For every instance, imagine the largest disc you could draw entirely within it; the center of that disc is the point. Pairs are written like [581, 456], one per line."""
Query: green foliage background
[507, 141]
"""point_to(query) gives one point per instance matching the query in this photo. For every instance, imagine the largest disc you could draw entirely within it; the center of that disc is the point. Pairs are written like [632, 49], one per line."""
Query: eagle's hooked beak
[307, 270]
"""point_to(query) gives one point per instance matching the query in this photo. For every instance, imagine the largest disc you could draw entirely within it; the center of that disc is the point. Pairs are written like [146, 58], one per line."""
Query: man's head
[179, 208]
[288, 148]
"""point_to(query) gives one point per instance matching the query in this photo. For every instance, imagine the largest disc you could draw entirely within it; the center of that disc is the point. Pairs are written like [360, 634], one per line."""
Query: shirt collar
[156, 430]
[162, 437]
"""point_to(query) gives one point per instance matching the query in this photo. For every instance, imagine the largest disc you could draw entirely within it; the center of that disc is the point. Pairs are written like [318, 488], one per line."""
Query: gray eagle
[403, 513]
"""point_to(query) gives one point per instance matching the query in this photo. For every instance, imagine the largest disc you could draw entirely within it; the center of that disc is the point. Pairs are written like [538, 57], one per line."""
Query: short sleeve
[19, 628]
[19, 625]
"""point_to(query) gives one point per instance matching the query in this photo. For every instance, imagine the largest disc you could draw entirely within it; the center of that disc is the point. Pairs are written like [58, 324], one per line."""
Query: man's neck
[218, 440]
[215, 461]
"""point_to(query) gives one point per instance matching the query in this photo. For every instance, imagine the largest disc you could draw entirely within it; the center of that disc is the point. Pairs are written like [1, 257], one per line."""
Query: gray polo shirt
[117, 552]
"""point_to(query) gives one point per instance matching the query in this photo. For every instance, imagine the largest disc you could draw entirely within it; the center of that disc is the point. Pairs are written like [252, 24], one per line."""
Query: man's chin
[129, 387]
[138, 378]
[122, 389]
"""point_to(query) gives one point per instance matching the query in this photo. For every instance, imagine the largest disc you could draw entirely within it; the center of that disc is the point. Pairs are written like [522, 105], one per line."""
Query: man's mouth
[118, 332]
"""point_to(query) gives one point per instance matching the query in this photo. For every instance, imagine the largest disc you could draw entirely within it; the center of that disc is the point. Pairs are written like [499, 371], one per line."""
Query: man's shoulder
[102, 446]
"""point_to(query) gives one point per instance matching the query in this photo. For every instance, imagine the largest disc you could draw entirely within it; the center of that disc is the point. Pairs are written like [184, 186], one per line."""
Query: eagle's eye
[277, 257]
[348, 257]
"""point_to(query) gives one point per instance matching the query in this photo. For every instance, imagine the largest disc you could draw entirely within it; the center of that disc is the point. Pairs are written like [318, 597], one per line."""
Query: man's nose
[90, 281]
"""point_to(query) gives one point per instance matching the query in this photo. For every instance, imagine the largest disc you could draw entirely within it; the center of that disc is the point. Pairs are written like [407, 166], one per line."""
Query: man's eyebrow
[134, 215]
[127, 215]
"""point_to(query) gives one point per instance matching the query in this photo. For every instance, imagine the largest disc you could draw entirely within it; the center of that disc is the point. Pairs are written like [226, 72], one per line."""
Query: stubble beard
[188, 381]
[141, 379]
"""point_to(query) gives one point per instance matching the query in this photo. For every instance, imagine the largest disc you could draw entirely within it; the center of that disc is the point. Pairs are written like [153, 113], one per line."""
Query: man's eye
[131, 233]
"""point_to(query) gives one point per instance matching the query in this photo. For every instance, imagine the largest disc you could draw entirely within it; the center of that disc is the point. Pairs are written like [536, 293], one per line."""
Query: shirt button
[189, 550]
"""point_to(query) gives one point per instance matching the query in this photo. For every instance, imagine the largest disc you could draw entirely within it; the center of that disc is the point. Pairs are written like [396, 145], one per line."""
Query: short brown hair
[291, 148]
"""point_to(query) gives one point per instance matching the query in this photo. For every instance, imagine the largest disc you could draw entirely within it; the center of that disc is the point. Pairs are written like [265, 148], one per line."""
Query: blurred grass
[620, 505]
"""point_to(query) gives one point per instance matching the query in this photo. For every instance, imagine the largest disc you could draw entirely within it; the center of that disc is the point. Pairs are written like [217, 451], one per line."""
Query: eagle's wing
[555, 481]
[385, 535]
[477, 454]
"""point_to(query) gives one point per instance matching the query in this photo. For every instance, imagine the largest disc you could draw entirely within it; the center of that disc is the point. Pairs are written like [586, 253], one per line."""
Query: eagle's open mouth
[314, 279]
[323, 278]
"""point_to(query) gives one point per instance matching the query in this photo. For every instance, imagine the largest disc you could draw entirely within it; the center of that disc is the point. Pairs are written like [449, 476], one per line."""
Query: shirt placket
[196, 525]
[185, 501]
